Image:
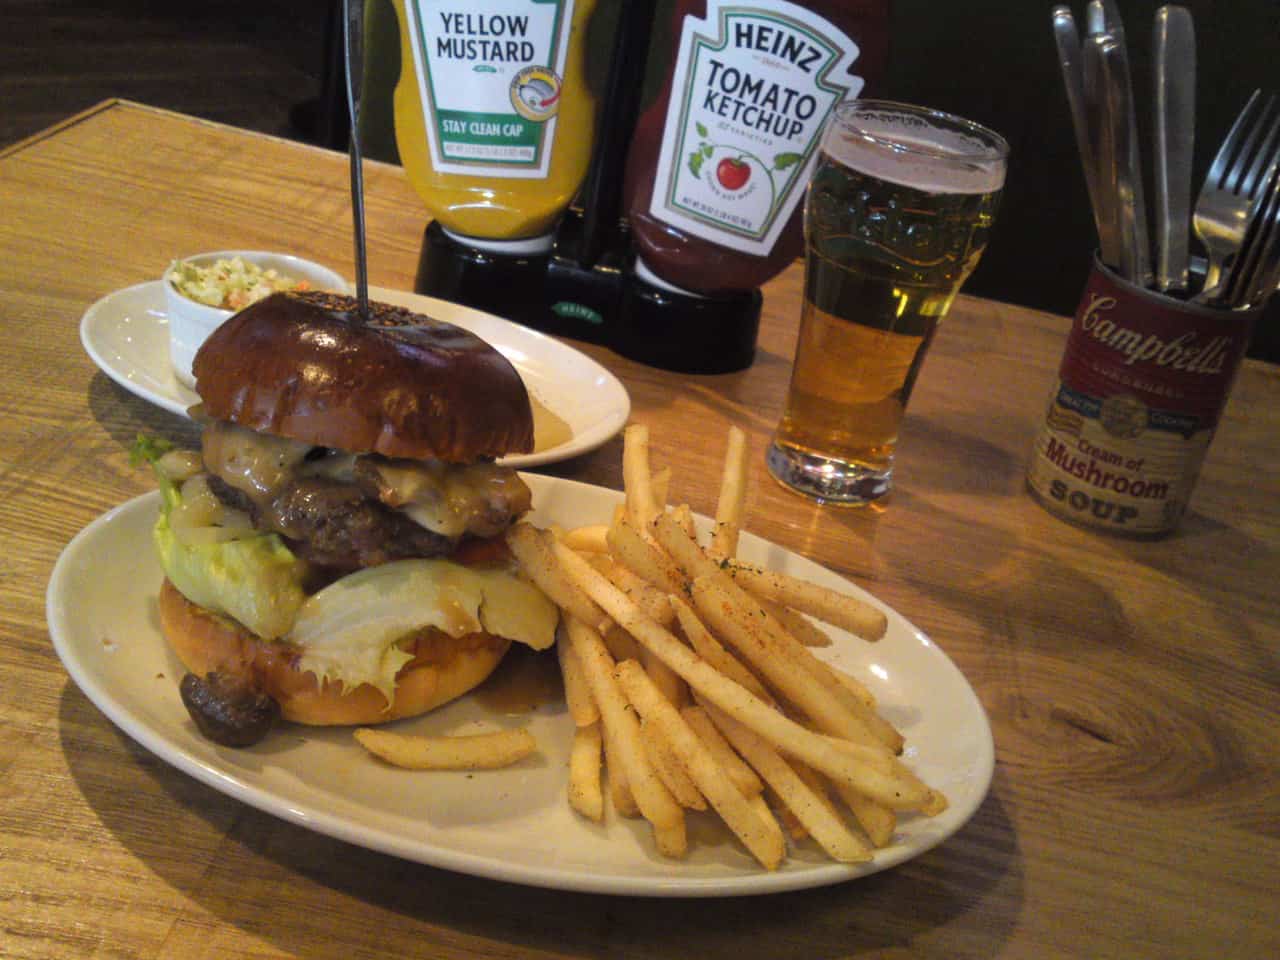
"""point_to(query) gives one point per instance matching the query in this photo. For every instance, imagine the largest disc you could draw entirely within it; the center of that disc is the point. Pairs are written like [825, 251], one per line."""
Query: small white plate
[126, 333]
[512, 824]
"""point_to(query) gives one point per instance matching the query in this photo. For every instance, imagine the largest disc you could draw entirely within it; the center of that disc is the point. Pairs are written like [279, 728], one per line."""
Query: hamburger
[334, 553]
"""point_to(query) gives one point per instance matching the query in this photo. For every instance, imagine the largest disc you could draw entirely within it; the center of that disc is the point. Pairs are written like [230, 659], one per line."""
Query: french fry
[876, 725]
[585, 758]
[760, 807]
[811, 688]
[733, 490]
[622, 645]
[854, 686]
[812, 810]
[657, 606]
[784, 733]
[479, 751]
[655, 801]
[739, 771]
[670, 770]
[529, 546]
[683, 515]
[877, 821]
[797, 624]
[642, 558]
[664, 678]
[765, 844]
[620, 795]
[712, 650]
[589, 539]
[745, 630]
[659, 485]
[652, 600]
[637, 481]
[577, 694]
[829, 606]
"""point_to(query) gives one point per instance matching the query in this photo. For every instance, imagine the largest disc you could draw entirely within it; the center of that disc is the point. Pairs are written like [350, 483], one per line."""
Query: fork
[1256, 271]
[1234, 187]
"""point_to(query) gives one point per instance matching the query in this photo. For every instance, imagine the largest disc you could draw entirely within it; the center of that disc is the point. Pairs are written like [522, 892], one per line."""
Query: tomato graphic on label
[733, 173]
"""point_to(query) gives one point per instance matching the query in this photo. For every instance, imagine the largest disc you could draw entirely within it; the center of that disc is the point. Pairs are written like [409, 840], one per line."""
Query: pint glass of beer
[896, 216]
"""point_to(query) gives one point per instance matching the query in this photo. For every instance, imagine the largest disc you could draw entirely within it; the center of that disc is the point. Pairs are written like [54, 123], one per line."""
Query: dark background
[267, 65]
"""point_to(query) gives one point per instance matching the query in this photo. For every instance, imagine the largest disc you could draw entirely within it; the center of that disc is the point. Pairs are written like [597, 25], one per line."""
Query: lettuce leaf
[349, 630]
[255, 580]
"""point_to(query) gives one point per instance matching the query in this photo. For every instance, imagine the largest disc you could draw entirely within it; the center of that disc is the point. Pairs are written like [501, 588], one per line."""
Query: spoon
[353, 42]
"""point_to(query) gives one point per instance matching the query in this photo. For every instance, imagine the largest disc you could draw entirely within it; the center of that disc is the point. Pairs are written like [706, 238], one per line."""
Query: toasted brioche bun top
[306, 366]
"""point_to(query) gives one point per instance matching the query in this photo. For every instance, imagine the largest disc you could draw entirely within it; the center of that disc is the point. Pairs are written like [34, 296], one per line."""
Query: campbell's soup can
[1143, 381]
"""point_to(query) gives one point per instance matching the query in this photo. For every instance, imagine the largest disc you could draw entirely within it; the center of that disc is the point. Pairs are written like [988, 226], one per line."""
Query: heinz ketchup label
[752, 87]
[1142, 384]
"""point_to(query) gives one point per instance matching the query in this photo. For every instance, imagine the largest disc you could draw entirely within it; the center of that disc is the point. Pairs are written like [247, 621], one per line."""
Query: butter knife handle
[1174, 47]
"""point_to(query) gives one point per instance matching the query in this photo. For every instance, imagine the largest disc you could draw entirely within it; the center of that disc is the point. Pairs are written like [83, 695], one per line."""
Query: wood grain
[1132, 686]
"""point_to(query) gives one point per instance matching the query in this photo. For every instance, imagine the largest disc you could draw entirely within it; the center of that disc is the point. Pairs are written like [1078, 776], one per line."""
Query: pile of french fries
[692, 684]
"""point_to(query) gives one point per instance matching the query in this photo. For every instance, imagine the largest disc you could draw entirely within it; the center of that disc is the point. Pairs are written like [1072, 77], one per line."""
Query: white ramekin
[190, 323]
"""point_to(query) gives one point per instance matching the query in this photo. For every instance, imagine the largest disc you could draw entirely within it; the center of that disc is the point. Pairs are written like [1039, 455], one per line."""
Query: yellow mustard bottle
[494, 119]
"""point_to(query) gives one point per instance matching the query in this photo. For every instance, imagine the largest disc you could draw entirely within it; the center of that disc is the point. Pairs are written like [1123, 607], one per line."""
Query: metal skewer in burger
[334, 553]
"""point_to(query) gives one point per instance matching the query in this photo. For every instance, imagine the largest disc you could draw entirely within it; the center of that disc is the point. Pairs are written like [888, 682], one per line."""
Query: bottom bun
[443, 667]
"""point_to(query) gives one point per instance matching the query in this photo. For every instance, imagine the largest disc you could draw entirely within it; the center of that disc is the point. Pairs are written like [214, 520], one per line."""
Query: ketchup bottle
[719, 162]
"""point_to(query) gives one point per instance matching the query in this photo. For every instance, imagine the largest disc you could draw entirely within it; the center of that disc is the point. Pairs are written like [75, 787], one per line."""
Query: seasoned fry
[784, 733]
[765, 844]
[652, 600]
[659, 485]
[683, 515]
[529, 546]
[768, 647]
[712, 650]
[739, 771]
[664, 678]
[760, 807]
[670, 770]
[876, 820]
[577, 695]
[829, 606]
[480, 751]
[733, 491]
[854, 686]
[637, 481]
[587, 539]
[656, 605]
[620, 795]
[622, 645]
[744, 628]
[812, 810]
[880, 729]
[585, 793]
[655, 801]
[797, 624]
[639, 556]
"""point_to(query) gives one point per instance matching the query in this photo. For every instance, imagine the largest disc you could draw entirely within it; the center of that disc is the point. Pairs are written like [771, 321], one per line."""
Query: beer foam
[929, 159]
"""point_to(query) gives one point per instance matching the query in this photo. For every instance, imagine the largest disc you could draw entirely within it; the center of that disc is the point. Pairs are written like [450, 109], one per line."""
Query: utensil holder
[1143, 381]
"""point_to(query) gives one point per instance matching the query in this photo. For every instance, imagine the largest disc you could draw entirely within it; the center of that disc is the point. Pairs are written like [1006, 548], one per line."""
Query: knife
[1131, 211]
[1102, 141]
[1070, 59]
[1174, 46]
[1135, 262]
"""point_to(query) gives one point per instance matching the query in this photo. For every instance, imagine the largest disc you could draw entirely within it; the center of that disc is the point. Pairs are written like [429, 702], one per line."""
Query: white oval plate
[126, 333]
[512, 824]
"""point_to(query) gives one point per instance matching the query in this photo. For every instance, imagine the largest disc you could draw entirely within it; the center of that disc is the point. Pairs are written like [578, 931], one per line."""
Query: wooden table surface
[1131, 686]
